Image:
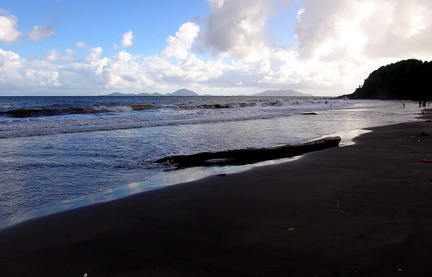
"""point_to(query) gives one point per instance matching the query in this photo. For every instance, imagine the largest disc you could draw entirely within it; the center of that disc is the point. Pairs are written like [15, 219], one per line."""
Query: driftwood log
[249, 155]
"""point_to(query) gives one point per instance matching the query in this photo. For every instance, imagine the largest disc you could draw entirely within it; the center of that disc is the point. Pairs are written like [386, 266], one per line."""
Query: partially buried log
[249, 155]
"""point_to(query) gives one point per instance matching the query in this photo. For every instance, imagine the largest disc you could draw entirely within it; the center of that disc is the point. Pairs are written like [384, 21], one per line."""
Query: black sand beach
[359, 210]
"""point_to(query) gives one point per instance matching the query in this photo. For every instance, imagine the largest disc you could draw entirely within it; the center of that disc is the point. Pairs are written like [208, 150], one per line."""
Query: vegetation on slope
[407, 79]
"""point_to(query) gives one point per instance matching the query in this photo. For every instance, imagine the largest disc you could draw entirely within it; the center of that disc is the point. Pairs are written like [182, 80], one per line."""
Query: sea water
[54, 149]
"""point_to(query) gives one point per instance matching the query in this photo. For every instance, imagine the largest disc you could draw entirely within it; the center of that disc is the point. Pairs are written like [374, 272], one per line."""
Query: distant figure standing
[403, 105]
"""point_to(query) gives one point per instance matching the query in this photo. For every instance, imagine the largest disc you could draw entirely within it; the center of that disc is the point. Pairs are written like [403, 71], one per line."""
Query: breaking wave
[36, 119]
[36, 112]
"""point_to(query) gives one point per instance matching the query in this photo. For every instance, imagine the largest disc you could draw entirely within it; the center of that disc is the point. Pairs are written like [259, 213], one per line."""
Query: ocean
[62, 152]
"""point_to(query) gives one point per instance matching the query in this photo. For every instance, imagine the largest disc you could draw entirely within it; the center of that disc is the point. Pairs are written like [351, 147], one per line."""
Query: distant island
[186, 92]
[403, 80]
[180, 92]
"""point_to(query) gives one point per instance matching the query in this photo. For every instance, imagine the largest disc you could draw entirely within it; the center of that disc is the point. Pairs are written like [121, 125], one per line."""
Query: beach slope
[359, 210]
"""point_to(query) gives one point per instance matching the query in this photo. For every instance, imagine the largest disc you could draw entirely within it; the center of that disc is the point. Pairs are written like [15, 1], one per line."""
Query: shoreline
[361, 209]
[160, 180]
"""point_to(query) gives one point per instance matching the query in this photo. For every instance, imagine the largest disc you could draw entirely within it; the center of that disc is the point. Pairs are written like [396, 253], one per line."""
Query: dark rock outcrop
[249, 155]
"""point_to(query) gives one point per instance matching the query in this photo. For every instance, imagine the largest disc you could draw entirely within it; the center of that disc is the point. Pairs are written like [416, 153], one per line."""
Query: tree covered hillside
[408, 79]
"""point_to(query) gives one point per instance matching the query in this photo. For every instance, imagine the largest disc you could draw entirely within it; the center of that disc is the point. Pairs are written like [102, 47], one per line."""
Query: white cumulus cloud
[340, 29]
[42, 78]
[10, 66]
[237, 27]
[127, 39]
[341, 41]
[180, 45]
[94, 54]
[55, 56]
[8, 28]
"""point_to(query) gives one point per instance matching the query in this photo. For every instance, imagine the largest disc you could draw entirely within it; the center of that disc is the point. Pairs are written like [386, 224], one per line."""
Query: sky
[218, 47]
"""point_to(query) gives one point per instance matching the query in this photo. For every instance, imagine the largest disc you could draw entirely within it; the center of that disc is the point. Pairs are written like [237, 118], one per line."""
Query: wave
[38, 112]
[48, 121]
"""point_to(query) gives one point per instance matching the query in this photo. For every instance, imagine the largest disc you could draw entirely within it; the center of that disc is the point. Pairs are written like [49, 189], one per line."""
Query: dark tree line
[408, 79]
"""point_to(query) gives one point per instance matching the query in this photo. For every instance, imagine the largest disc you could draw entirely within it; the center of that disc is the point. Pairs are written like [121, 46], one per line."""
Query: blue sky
[221, 47]
[101, 23]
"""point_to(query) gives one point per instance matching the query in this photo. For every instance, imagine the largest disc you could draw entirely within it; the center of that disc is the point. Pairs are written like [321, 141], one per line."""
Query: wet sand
[359, 210]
